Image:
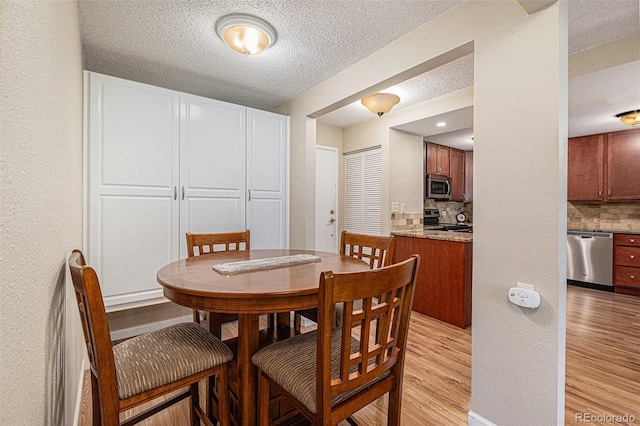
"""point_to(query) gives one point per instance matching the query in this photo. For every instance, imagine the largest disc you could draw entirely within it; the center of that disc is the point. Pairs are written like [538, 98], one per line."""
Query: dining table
[250, 283]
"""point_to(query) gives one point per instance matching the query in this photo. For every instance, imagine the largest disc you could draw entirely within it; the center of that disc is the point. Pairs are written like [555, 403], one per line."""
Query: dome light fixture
[630, 118]
[246, 34]
[380, 103]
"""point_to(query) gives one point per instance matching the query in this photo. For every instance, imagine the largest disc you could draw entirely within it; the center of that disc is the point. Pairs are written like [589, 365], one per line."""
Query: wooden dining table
[194, 283]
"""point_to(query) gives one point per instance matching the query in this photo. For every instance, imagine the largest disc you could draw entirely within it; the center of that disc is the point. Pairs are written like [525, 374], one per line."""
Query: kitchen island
[443, 289]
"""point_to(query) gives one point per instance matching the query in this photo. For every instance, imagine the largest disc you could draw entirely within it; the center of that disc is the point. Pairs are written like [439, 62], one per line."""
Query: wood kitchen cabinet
[443, 286]
[604, 167]
[623, 161]
[456, 171]
[468, 177]
[626, 264]
[585, 164]
[437, 159]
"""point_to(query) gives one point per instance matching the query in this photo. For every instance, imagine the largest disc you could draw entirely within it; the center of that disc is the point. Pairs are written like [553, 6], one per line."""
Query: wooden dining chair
[375, 250]
[330, 373]
[199, 244]
[148, 366]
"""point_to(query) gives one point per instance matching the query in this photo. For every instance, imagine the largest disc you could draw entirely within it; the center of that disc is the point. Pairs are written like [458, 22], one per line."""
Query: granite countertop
[461, 237]
[597, 229]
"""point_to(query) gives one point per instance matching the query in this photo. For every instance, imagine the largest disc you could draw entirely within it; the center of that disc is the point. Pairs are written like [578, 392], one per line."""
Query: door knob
[332, 220]
[332, 212]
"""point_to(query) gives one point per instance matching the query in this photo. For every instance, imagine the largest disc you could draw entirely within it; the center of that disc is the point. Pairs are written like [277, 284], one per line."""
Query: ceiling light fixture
[630, 118]
[441, 124]
[246, 34]
[380, 103]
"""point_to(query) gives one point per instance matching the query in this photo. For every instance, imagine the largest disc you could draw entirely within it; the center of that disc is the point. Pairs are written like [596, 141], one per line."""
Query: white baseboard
[474, 419]
[125, 333]
[76, 415]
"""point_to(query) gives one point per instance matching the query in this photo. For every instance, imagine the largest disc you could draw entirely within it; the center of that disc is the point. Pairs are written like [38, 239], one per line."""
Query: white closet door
[132, 152]
[363, 192]
[266, 178]
[212, 167]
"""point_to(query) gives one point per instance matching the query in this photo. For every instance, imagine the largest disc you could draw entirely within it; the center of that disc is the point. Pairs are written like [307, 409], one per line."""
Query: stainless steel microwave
[438, 187]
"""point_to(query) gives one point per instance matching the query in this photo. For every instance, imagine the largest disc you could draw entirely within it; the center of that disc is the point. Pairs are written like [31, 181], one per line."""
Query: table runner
[231, 268]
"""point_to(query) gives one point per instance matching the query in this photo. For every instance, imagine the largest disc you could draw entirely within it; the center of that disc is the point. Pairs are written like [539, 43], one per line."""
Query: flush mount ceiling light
[380, 103]
[630, 118]
[246, 34]
[441, 124]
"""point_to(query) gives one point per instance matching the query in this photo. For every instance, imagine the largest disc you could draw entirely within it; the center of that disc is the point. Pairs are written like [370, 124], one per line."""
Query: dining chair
[375, 250]
[147, 366]
[332, 372]
[199, 244]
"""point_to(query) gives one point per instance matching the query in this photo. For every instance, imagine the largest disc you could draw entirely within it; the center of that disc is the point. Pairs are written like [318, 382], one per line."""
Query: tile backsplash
[603, 216]
[452, 208]
[406, 221]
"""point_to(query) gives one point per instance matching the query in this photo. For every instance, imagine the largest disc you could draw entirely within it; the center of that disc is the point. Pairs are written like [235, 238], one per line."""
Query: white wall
[406, 171]
[520, 131]
[41, 345]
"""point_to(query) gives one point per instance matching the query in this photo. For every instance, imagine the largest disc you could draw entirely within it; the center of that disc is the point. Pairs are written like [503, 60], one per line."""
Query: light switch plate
[395, 206]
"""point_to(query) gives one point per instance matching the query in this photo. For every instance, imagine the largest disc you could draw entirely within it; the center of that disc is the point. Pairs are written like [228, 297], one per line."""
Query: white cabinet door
[132, 153]
[212, 167]
[266, 179]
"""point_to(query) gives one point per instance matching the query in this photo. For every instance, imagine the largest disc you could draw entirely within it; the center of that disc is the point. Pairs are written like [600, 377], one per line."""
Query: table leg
[248, 342]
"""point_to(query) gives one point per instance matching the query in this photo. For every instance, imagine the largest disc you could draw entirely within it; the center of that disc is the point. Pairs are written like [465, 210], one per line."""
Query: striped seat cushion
[292, 364]
[154, 359]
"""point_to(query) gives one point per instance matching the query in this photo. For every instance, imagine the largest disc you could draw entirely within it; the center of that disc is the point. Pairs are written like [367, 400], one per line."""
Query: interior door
[326, 198]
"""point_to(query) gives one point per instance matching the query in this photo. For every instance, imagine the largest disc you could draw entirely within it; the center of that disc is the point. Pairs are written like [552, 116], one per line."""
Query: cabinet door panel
[585, 164]
[456, 161]
[443, 160]
[136, 239]
[432, 158]
[136, 136]
[624, 165]
[212, 167]
[214, 214]
[266, 179]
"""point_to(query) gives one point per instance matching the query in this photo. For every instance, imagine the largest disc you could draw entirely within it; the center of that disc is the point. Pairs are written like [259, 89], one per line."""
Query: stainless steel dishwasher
[590, 257]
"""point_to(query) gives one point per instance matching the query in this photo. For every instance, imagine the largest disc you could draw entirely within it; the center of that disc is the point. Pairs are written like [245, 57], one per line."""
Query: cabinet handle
[632, 277]
[175, 192]
[632, 257]
[632, 240]
[599, 194]
[249, 195]
[183, 192]
[609, 193]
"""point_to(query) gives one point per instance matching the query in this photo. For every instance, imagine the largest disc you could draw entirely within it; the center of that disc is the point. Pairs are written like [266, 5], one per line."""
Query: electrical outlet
[444, 213]
[403, 206]
[395, 207]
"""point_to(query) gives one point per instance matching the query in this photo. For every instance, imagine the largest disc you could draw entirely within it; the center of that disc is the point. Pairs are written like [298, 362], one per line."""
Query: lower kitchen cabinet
[626, 264]
[443, 288]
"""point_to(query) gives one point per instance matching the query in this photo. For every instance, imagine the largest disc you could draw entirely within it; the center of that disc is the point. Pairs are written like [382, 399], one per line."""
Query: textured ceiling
[172, 44]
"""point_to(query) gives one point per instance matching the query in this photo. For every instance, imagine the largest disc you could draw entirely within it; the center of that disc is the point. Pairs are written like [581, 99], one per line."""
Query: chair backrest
[376, 250]
[96, 334]
[381, 327]
[211, 243]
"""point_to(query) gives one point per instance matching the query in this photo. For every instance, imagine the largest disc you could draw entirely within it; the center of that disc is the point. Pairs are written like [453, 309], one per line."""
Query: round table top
[194, 283]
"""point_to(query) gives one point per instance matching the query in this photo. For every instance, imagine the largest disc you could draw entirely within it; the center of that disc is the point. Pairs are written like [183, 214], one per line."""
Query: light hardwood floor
[602, 370]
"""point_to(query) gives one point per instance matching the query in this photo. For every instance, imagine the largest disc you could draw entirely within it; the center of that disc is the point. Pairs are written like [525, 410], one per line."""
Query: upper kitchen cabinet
[603, 167]
[456, 169]
[468, 176]
[437, 159]
[161, 163]
[623, 155]
[585, 164]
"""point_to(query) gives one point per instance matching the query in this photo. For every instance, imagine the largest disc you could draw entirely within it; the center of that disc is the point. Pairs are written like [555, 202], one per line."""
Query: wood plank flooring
[602, 370]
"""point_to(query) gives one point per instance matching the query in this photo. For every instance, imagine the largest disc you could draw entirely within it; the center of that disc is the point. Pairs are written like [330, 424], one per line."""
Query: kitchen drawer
[626, 240]
[627, 256]
[626, 276]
